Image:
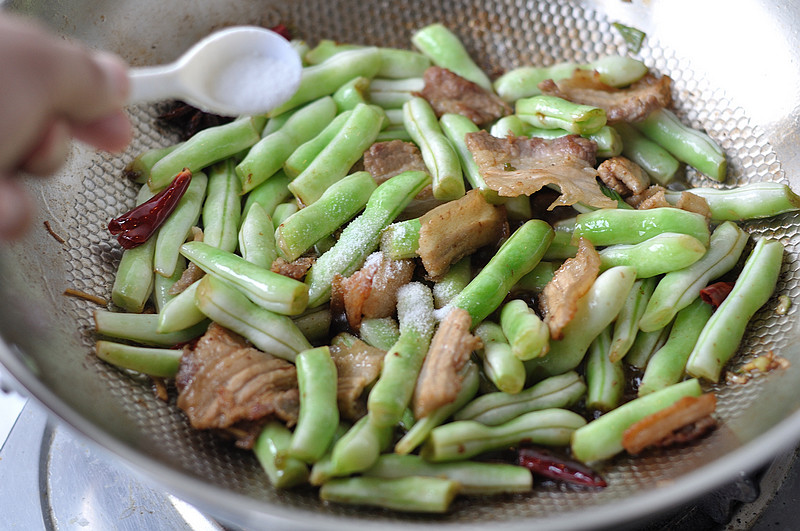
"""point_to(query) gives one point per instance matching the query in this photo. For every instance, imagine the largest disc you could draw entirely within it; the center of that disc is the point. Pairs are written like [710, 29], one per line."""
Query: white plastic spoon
[238, 70]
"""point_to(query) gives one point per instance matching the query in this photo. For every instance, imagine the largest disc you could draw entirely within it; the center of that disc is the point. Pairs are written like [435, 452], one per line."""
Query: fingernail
[116, 72]
[15, 209]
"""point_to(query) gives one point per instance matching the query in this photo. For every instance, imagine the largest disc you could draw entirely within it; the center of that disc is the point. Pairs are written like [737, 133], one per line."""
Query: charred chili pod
[545, 463]
[174, 230]
[133, 282]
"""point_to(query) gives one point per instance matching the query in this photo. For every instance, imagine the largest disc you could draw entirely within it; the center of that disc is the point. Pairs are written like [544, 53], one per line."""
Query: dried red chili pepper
[550, 465]
[137, 225]
[283, 31]
[714, 294]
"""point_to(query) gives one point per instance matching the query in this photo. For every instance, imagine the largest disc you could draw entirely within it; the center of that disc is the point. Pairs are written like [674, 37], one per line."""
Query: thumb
[15, 209]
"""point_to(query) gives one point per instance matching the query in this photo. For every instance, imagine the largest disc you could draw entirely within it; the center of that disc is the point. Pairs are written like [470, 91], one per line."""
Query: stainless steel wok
[736, 71]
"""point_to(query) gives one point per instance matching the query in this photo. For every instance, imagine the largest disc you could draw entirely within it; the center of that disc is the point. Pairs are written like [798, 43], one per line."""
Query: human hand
[51, 91]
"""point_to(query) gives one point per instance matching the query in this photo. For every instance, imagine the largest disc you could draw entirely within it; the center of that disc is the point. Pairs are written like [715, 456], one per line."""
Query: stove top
[51, 478]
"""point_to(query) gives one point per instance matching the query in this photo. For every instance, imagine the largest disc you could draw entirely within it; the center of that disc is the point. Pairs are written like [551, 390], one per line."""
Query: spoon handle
[153, 83]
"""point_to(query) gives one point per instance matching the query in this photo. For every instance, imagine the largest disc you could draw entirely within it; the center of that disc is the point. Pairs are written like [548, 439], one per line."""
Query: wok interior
[50, 336]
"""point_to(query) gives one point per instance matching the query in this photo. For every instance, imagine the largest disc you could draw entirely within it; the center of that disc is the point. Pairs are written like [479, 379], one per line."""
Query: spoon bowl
[238, 70]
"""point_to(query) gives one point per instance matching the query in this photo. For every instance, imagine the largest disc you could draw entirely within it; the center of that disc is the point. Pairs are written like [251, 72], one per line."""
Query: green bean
[538, 278]
[336, 159]
[393, 133]
[269, 290]
[437, 152]
[721, 336]
[181, 312]
[283, 212]
[446, 50]
[141, 328]
[319, 414]
[528, 336]
[645, 345]
[452, 282]
[400, 240]
[351, 94]
[688, 145]
[324, 78]
[605, 379]
[627, 324]
[159, 362]
[162, 285]
[269, 194]
[273, 441]
[174, 230]
[551, 112]
[473, 478]
[667, 364]
[417, 434]
[516, 257]
[270, 153]
[326, 49]
[748, 201]
[305, 154]
[392, 393]
[395, 63]
[222, 209]
[602, 438]
[257, 237]
[595, 311]
[337, 205]
[463, 439]
[500, 365]
[268, 331]
[654, 160]
[204, 149]
[315, 324]
[276, 122]
[359, 447]
[496, 408]
[413, 494]
[678, 289]
[133, 282]
[510, 125]
[561, 248]
[618, 226]
[361, 236]
[379, 332]
[665, 252]
[139, 168]
[455, 127]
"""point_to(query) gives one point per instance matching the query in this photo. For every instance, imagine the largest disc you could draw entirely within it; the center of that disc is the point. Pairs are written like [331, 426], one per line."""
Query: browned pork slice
[452, 231]
[559, 299]
[357, 366]
[296, 269]
[623, 176]
[450, 93]
[515, 166]
[223, 381]
[441, 376]
[630, 104]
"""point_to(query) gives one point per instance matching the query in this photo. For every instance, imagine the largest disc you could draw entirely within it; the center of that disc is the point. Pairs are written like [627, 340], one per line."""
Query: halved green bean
[452, 282]
[417, 434]
[269, 194]
[414, 494]
[323, 79]
[560, 391]
[626, 326]
[446, 50]
[678, 289]
[351, 94]
[602, 438]
[439, 155]
[392, 393]
[748, 201]
[158, 362]
[273, 441]
[528, 336]
[222, 209]
[133, 282]
[516, 257]
[162, 285]
[333, 162]
[619, 226]
[473, 478]
[605, 379]
[645, 345]
[139, 168]
[302, 157]
[455, 127]
[257, 237]
[595, 311]
[400, 240]
[359, 448]
[268, 331]
[142, 328]
[500, 365]
[361, 236]
[688, 145]
[319, 414]
[551, 112]
[205, 148]
[654, 160]
[379, 332]
[269, 290]
[463, 439]
[665, 252]
[337, 205]
[178, 225]
[181, 312]
[721, 336]
[666, 366]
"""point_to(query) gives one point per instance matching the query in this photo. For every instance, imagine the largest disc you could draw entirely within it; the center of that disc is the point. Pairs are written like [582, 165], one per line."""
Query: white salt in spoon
[238, 70]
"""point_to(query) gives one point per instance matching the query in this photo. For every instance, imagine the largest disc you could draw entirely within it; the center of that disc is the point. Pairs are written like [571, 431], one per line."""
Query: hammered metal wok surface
[735, 72]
